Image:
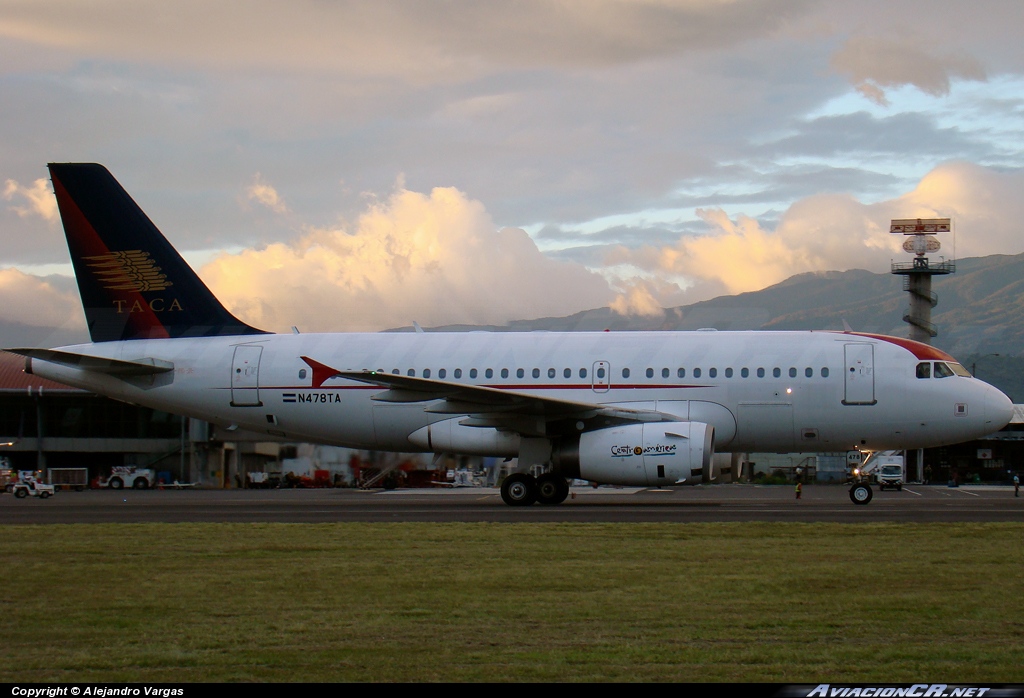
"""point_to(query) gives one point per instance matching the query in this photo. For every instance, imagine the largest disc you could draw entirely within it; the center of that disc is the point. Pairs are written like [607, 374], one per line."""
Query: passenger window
[395, 371]
[728, 373]
[625, 373]
[650, 373]
[808, 371]
[583, 373]
[458, 373]
[664, 373]
[489, 373]
[567, 373]
[744, 372]
[536, 373]
[302, 373]
[520, 373]
[792, 372]
[696, 373]
[504, 373]
[776, 372]
[681, 373]
[442, 373]
[824, 372]
[551, 373]
[924, 370]
[472, 373]
[760, 373]
[426, 373]
[712, 373]
[411, 372]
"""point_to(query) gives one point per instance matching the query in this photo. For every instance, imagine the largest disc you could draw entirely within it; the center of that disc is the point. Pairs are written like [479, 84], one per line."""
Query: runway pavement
[819, 503]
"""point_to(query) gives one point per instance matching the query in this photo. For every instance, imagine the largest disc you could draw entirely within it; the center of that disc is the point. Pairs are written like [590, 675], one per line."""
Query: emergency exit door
[601, 376]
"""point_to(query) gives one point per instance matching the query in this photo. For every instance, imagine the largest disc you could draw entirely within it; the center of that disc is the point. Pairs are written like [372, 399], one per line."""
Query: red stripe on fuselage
[920, 350]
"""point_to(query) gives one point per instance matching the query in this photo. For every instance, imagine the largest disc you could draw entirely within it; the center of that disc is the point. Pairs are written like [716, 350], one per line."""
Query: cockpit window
[959, 370]
[924, 370]
[942, 370]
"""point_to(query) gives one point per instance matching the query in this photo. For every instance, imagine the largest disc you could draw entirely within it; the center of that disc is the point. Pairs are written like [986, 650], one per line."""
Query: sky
[356, 166]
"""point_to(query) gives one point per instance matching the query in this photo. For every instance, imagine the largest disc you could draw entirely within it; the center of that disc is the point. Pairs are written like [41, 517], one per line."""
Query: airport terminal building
[47, 425]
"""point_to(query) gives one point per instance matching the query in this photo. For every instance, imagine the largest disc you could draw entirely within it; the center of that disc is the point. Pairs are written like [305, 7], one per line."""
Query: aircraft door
[601, 376]
[245, 376]
[860, 374]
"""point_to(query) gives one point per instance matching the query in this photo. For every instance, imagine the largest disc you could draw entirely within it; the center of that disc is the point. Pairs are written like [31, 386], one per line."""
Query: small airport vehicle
[31, 487]
[890, 475]
[122, 476]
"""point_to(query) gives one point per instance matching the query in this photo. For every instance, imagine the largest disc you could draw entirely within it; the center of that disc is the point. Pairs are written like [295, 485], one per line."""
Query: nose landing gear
[861, 493]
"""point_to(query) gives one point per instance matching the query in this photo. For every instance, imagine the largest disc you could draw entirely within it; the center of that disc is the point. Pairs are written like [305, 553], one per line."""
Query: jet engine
[657, 453]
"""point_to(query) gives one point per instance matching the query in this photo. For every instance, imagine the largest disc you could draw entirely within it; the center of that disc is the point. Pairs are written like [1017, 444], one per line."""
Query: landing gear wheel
[860, 494]
[519, 490]
[552, 489]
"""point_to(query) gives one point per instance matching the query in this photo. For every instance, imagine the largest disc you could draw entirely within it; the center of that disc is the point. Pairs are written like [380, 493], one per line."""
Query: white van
[890, 475]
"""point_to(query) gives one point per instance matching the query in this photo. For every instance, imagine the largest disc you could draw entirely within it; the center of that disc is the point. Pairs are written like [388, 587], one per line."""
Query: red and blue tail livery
[134, 284]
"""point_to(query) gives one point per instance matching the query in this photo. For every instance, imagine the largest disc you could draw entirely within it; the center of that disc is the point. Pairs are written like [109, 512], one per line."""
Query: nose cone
[998, 409]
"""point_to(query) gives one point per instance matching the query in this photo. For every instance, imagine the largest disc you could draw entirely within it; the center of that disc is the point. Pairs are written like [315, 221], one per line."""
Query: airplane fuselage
[761, 391]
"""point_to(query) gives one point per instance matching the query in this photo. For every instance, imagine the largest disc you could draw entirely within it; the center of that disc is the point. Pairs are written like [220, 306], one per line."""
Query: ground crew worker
[799, 489]
[1016, 486]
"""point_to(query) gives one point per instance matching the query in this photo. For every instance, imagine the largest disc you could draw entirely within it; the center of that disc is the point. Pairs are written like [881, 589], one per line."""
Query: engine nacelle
[658, 453]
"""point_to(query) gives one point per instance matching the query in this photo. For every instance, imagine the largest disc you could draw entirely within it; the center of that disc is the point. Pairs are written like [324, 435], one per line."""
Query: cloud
[834, 232]
[35, 301]
[263, 193]
[39, 198]
[435, 258]
[874, 63]
[401, 38]
[640, 296]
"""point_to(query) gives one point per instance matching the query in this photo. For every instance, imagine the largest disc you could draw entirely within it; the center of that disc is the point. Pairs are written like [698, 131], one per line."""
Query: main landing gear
[523, 489]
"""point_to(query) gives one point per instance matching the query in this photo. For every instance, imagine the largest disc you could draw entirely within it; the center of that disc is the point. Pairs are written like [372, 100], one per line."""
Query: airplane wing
[98, 364]
[530, 415]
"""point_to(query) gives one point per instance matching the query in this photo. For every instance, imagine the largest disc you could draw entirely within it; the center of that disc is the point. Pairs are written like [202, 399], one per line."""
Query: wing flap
[98, 364]
[502, 409]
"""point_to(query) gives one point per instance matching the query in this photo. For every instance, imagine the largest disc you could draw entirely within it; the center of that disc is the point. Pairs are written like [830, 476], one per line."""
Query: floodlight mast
[917, 275]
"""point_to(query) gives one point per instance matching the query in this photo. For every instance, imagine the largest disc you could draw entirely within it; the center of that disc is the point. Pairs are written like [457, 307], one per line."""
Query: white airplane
[627, 408]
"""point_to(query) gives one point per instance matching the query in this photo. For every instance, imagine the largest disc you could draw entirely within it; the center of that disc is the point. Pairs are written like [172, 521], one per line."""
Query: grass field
[510, 602]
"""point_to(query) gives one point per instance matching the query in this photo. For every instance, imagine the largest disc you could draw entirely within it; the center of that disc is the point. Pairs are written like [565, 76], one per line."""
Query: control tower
[917, 274]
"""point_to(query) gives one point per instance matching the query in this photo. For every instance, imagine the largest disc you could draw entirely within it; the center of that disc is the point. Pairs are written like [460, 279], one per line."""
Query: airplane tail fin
[134, 284]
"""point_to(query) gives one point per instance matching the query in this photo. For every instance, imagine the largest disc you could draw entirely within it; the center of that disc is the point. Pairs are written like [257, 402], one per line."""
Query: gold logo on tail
[130, 270]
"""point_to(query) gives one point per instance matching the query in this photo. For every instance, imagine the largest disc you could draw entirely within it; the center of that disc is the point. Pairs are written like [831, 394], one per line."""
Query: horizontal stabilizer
[98, 364]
